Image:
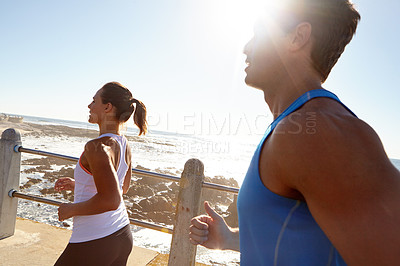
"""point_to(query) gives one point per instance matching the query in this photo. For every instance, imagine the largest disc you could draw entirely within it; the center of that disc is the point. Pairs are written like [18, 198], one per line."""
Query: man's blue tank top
[275, 230]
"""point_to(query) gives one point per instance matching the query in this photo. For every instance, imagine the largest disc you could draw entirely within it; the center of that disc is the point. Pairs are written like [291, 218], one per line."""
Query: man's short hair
[333, 22]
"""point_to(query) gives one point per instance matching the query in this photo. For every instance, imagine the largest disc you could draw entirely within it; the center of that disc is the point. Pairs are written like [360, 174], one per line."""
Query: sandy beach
[26, 129]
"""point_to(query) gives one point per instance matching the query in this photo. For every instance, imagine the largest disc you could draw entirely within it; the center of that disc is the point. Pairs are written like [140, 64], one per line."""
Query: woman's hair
[121, 98]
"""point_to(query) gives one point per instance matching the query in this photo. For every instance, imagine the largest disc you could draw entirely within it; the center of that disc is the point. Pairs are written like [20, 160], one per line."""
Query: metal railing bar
[151, 226]
[20, 195]
[74, 159]
[156, 175]
[221, 187]
[134, 170]
[16, 194]
[46, 153]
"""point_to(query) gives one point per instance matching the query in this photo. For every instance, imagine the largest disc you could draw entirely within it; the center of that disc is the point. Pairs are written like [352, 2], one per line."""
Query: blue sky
[183, 59]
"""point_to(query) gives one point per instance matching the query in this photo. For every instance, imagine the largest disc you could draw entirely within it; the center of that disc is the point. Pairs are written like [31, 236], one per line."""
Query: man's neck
[285, 94]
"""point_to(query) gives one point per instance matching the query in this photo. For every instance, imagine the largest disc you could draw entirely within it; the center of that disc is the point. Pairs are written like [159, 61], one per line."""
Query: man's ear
[300, 36]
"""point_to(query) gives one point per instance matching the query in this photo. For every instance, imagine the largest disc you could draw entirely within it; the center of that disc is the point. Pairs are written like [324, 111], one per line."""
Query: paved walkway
[40, 244]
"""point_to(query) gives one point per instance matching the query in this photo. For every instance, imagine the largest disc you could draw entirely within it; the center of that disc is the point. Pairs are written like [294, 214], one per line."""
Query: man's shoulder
[324, 138]
[322, 118]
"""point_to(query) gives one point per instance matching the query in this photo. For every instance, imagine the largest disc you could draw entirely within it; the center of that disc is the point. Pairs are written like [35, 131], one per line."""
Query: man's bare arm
[351, 187]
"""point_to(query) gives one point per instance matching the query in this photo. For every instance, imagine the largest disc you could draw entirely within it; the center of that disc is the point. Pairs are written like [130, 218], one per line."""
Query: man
[316, 193]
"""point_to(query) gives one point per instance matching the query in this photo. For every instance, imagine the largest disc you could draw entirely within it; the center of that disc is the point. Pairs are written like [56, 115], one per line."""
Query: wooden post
[182, 252]
[10, 165]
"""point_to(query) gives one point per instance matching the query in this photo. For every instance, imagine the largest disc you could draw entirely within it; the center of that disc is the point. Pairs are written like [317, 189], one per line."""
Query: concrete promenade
[40, 244]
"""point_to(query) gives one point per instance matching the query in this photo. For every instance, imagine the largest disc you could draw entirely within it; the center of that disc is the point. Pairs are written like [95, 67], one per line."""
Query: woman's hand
[65, 211]
[64, 183]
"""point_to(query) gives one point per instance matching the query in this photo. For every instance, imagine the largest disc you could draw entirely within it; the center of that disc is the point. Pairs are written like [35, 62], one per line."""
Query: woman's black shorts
[110, 250]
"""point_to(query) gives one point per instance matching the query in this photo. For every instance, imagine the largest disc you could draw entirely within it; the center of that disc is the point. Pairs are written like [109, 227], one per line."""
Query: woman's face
[96, 109]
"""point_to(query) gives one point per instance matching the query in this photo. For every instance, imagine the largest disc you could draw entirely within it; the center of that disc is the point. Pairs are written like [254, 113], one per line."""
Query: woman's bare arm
[108, 197]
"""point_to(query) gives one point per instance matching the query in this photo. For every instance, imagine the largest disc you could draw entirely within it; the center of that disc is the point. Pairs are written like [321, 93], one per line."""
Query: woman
[101, 233]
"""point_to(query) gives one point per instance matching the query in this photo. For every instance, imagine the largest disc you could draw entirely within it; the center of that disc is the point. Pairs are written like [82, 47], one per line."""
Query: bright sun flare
[235, 18]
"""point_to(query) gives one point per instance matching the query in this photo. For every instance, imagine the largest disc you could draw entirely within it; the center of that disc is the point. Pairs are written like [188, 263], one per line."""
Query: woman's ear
[108, 108]
[301, 36]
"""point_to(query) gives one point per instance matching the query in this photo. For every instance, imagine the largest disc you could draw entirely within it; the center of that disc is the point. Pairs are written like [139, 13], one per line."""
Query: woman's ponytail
[140, 117]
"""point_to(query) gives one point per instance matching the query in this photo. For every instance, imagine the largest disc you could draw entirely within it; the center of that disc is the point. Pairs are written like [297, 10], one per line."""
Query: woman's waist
[104, 218]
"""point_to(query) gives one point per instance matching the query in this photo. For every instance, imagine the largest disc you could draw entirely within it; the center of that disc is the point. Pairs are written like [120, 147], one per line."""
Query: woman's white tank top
[90, 227]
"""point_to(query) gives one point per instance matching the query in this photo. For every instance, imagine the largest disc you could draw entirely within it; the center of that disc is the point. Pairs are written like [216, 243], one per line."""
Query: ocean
[165, 152]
